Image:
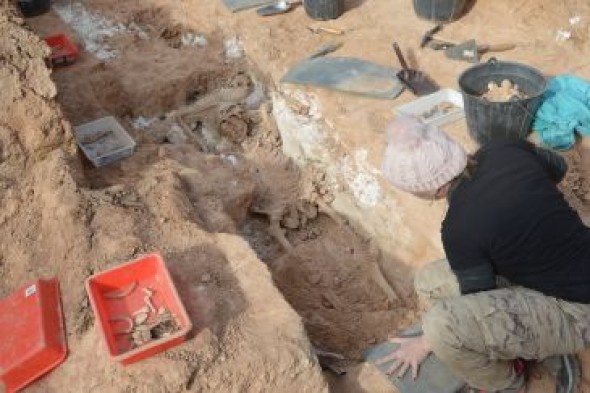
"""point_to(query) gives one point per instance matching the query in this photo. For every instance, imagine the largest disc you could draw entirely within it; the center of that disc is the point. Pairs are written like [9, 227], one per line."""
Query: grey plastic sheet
[347, 74]
[434, 376]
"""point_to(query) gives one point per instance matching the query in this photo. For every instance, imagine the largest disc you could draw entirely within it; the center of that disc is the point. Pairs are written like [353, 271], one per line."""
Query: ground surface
[204, 203]
[61, 218]
[204, 195]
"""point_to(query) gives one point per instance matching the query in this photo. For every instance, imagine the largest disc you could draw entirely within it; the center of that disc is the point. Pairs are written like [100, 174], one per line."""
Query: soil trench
[208, 171]
[219, 112]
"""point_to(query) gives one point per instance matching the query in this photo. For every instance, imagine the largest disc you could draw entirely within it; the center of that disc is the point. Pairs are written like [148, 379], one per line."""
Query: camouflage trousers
[479, 335]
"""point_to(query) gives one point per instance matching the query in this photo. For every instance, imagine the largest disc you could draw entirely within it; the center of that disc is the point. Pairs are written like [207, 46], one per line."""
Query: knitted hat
[420, 157]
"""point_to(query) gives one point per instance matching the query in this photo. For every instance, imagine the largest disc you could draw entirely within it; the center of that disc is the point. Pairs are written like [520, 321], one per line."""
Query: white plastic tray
[104, 141]
[424, 104]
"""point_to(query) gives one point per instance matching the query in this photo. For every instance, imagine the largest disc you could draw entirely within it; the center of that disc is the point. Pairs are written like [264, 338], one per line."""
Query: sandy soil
[208, 183]
[62, 218]
[204, 197]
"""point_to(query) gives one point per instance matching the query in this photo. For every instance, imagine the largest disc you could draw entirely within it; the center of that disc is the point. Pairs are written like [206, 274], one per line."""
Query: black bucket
[324, 9]
[31, 8]
[487, 120]
[440, 10]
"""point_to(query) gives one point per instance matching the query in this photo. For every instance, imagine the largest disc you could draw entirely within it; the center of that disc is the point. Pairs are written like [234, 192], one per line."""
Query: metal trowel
[279, 7]
[471, 52]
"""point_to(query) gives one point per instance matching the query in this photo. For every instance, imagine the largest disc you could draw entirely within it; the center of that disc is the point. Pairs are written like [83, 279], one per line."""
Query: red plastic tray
[32, 336]
[147, 272]
[63, 50]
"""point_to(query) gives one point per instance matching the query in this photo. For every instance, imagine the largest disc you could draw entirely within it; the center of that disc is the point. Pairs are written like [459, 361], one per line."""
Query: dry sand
[204, 205]
[203, 195]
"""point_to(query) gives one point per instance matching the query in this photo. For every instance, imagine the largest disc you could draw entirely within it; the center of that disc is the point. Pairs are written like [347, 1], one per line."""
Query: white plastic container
[430, 104]
[104, 141]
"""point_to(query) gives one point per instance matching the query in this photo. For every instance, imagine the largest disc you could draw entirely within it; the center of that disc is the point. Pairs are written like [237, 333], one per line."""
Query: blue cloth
[564, 110]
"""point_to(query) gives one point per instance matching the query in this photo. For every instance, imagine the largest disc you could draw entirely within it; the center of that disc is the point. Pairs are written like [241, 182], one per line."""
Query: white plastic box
[422, 105]
[104, 141]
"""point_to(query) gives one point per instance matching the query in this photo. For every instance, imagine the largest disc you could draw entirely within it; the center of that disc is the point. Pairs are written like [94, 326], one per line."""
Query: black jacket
[510, 220]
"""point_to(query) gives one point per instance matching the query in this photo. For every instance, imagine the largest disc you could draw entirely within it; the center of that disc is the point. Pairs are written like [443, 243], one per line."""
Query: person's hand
[411, 353]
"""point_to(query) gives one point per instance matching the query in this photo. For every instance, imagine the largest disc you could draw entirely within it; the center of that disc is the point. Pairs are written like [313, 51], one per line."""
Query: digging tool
[240, 5]
[277, 8]
[440, 45]
[471, 52]
[325, 49]
[417, 81]
[438, 42]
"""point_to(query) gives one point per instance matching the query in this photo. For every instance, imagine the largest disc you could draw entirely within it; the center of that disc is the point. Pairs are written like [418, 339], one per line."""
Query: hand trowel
[279, 7]
[471, 52]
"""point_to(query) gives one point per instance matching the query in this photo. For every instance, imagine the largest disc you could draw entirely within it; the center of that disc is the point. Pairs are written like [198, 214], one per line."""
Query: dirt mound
[334, 282]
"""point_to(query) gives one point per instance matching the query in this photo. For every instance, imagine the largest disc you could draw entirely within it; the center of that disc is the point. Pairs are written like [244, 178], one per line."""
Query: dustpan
[347, 74]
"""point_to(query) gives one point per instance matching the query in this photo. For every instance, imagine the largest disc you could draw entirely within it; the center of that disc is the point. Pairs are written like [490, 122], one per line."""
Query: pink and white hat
[421, 158]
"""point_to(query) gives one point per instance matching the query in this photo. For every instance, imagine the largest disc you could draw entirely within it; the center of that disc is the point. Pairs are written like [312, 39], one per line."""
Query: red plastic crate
[148, 272]
[63, 50]
[33, 340]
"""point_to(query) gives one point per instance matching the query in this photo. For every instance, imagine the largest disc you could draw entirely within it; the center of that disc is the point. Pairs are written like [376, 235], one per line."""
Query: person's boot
[521, 368]
[564, 369]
